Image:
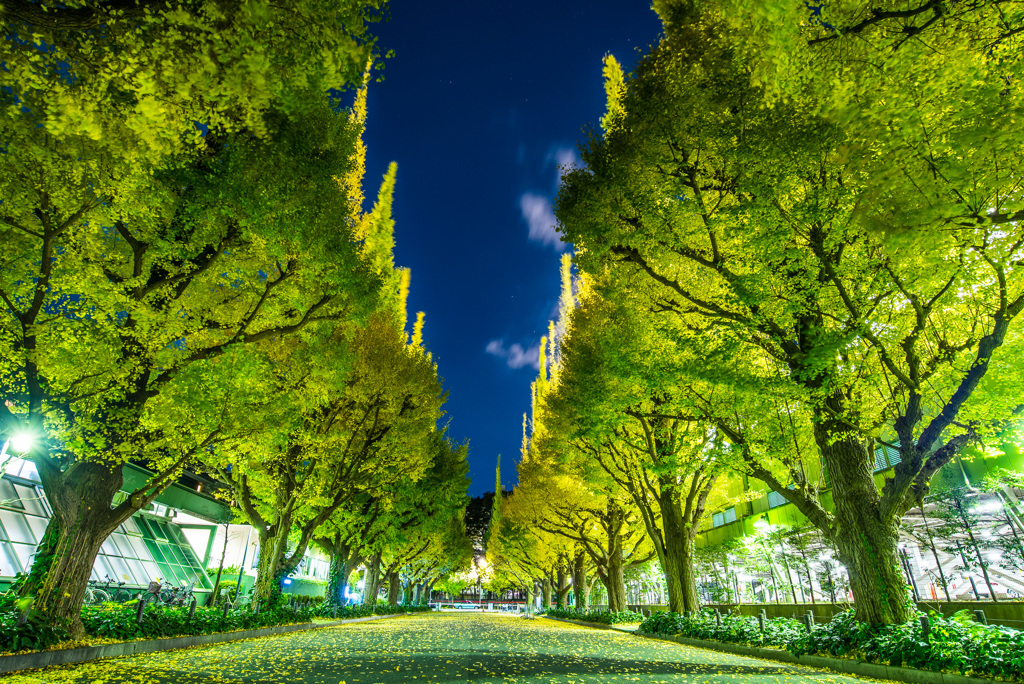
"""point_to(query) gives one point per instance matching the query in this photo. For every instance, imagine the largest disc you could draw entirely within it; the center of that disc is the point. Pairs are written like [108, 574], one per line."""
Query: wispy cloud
[565, 159]
[515, 356]
[541, 219]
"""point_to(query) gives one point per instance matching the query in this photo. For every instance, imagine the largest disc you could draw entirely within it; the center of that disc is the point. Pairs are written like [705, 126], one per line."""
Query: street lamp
[22, 442]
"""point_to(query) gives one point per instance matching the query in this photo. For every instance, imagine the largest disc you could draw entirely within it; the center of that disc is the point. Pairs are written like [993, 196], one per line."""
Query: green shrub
[118, 621]
[604, 617]
[956, 644]
[34, 635]
[733, 629]
[114, 621]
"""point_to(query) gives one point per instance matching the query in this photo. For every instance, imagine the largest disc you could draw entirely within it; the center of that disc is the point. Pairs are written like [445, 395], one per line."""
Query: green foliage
[604, 617]
[35, 634]
[750, 201]
[118, 621]
[733, 629]
[955, 644]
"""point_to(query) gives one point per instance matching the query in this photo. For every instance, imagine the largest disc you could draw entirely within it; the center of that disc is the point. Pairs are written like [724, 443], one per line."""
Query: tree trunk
[269, 570]
[82, 520]
[677, 555]
[614, 580]
[563, 587]
[580, 586]
[394, 587]
[344, 560]
[810, 579]
[867, 543]
[545, 588]
[370, 586]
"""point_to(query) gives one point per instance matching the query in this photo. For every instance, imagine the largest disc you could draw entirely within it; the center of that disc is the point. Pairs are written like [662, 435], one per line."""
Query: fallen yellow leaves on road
[436, 649]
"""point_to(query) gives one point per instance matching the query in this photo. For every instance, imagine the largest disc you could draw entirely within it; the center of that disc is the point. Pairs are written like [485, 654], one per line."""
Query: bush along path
[601, 617]
[955, 644]
[120, 622]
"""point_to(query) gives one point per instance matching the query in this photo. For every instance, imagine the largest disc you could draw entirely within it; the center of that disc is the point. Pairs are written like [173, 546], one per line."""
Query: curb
[70, 656]
[855, 667]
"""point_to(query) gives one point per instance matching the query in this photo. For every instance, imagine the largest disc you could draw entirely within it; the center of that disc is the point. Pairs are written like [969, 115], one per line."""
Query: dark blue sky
[480, 103]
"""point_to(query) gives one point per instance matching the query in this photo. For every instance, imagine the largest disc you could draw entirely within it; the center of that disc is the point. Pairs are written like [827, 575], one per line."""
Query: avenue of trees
[798, 239]
[189, 280]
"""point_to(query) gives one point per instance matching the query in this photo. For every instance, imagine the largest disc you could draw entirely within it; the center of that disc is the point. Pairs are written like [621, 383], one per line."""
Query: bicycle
[118, 595]
[158, 591]
[184, 595]
[94, 596]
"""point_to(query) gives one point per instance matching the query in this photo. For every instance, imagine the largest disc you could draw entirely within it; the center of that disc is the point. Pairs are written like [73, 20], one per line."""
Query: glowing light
[22, 442]
[993, 506]
[762, 525]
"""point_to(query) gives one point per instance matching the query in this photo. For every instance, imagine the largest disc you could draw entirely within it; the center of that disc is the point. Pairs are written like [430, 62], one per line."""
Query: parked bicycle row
[159, 591]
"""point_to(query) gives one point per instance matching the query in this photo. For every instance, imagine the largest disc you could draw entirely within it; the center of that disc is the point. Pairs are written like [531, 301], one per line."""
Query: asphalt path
[435, 648]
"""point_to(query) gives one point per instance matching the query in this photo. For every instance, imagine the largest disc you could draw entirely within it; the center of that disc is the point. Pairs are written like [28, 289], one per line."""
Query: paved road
[425, 649]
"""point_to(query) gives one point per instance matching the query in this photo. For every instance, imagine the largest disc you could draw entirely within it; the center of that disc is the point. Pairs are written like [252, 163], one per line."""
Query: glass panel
[119, 570]
[31, 499]
[26, 471]
[38, 525]
[10, 563]
[8, 497]
[880, 463]
[717, 520]
[26, 552]
[17, 528]
[177, 555]
[730, 515]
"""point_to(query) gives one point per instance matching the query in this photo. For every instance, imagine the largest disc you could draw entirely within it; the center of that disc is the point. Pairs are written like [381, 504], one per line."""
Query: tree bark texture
[580, 585]
[370, 586]
[865, 539]
[562, 587]
[614, 581]
[394, 587]
[676, 551]
[82, 520]
[545, 587]
[344, 560]
[269, 569]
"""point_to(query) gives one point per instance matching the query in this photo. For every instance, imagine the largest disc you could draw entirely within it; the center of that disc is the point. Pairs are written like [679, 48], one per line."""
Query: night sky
[480, 104]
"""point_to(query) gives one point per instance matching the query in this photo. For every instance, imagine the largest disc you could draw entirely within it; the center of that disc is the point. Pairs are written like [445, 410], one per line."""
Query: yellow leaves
[434, 648]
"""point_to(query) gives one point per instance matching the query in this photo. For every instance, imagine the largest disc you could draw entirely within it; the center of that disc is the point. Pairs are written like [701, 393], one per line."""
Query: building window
[775, 500]
[717, 520]
[885, 457]
[730, 515]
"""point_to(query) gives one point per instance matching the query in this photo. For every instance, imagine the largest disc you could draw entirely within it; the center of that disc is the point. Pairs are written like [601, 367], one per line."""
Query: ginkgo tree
[620, 401]
[367, 435]
[120, 322]
[750, 219]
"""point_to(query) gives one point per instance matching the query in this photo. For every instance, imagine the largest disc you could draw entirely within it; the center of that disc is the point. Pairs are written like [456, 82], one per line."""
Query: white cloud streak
[540, 218]
[566, 159]
[515, 355]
